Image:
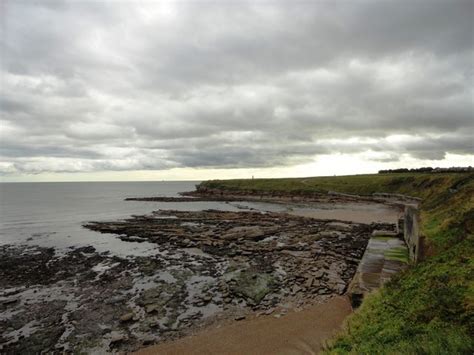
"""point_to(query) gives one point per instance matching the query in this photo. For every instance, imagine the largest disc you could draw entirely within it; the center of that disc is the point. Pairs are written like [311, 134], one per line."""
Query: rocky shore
[204, 193]
[211, 265]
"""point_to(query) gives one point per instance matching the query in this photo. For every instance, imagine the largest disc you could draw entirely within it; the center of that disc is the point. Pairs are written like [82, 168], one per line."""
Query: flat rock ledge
[209, 266]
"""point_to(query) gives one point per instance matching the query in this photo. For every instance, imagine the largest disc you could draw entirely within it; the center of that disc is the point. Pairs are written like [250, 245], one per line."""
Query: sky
[193, 90]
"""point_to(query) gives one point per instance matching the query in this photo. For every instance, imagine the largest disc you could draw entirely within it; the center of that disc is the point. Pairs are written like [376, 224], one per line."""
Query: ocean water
[52, 214]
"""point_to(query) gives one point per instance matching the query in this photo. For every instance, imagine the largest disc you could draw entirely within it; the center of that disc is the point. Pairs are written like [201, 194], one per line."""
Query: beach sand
[303, 332]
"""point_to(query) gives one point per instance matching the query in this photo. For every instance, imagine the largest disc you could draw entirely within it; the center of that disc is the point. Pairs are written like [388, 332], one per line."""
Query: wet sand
[303, 332]
[351, 212]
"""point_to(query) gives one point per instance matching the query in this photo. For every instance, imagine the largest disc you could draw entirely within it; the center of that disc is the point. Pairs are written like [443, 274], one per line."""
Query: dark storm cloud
[152, 85]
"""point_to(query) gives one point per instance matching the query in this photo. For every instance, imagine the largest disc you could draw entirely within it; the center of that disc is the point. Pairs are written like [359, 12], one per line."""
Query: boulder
[253, 286]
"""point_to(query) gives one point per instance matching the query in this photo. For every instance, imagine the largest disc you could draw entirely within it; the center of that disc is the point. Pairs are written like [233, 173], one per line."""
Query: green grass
[381, 238]
[428, 309]
[406, 183]
[397, 254]
[446, 197]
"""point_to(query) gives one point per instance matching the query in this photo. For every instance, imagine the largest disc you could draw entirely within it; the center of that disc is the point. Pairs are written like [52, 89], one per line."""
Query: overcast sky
[202, 89]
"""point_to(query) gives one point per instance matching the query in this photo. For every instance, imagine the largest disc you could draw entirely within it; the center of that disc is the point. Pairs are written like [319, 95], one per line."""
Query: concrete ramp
[386, 255]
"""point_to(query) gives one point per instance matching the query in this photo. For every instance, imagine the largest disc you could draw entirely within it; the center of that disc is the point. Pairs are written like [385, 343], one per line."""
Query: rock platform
[210, 265]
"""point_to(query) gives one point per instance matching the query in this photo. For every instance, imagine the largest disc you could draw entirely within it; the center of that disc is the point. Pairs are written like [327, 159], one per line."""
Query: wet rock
[127, 317]
[270, 259]
[10, 301]
[339, 226]
[150, 308]
[207, 298]
[148, 340]
[253, 286]
[318, 274]
[116, 337]
[295, 289]
[269, 311]
[309, 282]
[150, 296]
[340, 288]
[323, 291]
[328, 234]
[115, 300]
[11, 291]
[252, 232]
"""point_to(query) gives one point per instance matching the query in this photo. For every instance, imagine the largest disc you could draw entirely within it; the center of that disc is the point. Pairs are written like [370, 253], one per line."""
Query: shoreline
[304, 331]
[128, 295]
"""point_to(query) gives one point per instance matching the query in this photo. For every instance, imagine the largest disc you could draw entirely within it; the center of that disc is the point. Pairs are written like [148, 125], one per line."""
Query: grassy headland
[430, 307]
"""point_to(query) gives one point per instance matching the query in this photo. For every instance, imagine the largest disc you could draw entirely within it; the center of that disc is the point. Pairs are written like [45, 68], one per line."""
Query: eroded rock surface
[211, 265]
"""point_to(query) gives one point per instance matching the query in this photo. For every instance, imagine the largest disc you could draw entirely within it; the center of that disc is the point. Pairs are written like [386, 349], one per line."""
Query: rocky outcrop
[207, 265]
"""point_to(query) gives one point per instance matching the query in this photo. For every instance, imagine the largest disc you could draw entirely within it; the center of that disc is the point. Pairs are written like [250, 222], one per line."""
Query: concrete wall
[408, 228]
[411, 233]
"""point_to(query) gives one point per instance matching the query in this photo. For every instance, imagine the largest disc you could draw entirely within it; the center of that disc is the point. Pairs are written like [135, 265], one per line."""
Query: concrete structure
[384, 256]
[411, 233]
[387, 253]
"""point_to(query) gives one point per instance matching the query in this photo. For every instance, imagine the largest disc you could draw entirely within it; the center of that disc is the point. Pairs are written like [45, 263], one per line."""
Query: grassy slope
[430, 307]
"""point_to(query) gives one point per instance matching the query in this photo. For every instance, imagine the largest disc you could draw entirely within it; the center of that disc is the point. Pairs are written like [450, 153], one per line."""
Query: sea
[52, 214]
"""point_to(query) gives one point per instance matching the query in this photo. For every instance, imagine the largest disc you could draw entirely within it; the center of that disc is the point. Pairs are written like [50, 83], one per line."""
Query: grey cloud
[8, 105]
[155, 85]
[13, 151]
